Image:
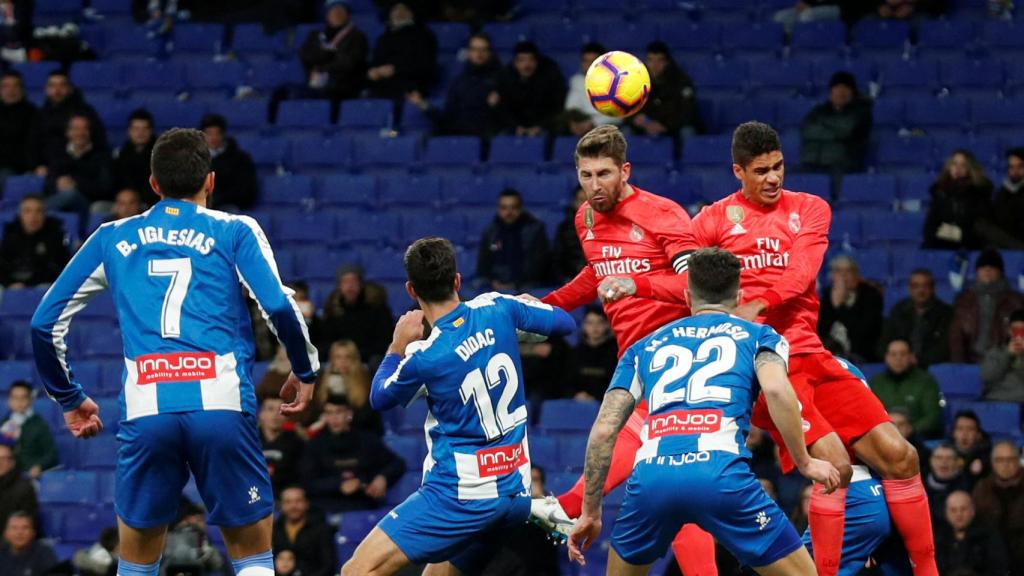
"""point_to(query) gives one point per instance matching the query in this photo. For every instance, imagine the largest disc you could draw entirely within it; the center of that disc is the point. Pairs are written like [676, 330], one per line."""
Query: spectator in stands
[671, 108]
[1002, 369]
[281, 448]
[235, 187]
[805, 11]
[18, 118]
[901, 420]
[358, 312]
[277, 372]
[577, 98]
[852, 313]
[404, 58]
[21, 553]
[34, 249]
[15, 30]
[305, 533]
[131, 159]
[909, 9]
[126, 204]
[1000, 498]
[594, 358]
[567, 254]
[188, 548]
[531, 91]
[1009, 202]
[972, 445]
[961, 542]
[285, 563]
[78, 177]
[100, 559]
[906, 385]
[346, 375]
[335, 57]
[961, 200]
[526, 551]
[981, 313]
[345, 469]
[834, 135]
[945, 476]
[514, 248]
[16, 491]
[34, 448]
[472, 106]
[921, 319]
[62, 102]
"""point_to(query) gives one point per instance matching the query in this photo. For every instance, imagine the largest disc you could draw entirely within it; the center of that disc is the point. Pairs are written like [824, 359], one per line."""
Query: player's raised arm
[675, 233]
[785, 412]
[539, 318]
[397, 380]
[258, 271]
[579, 291]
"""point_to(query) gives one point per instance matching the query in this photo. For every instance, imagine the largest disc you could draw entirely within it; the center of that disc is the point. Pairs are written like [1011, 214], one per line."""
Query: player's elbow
[42, 327]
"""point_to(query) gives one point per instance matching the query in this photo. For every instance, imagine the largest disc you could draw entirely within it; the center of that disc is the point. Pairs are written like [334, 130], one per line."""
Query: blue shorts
[221, 448]
[867, 528]
[715, 490]
[430, 527]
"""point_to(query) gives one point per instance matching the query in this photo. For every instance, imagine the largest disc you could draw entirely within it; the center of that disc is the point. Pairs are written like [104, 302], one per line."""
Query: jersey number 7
[475, 386]
[180, 272]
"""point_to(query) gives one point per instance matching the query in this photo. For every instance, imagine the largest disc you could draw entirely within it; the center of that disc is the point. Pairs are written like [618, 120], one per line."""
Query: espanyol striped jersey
[470, 370]
[697, 375]
[179, 274]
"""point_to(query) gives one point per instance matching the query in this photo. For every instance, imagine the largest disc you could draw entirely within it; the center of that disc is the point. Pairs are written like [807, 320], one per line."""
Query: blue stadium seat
[720, 184]
[785, 78]
[957, 381]
[567, 415]
[330, 154]
[915, 188]
[96, 75]
[755, 36]
[963, 75]
[544, 190]
[247, 114]
[348, 190]
[648, 150]
[867, 191]
[20, 303]
[420, 224]
[451, 36]
[719, 78]
[999, 419]
[505, 35]
[155, 76]
[817, 184]
[412, 417]
[315, 263]
[12, 370]
[305, 227]
[17, 186]
[563, 36]
[366, 114]
[402, 489]
[67, 487]
[410, 448]
[216, 75]
[894, 229]
[34, 74]
[874, 264]
[288, 190]
[99, 341]
[64, 8]
[129, 41]
[874, 35]
[825, 35]
[684, 189]
[398, 151]
[913, 151]
[269, 75]
[1003, 37]
[706, 150]
[889, 112]
[173, 114]
[543, 451]
[989, 113]
[15, 339]
[914, 76]
[872, 369]
[987, 149]
[732, 112]
[412, 190]
[100, 308]
[198, 38]
[945, 37]
[845, 229]
[84, 524]
[99, 452]
[472, 189]
[304, 114]
[248, 40]
[688, 35]
[414, 120]
[790, 112]
[571, 451]
[452, 150]
[629, 36]
[511, 150]
[371, 229]
[266, 151]
[927, 113]
[863, 71]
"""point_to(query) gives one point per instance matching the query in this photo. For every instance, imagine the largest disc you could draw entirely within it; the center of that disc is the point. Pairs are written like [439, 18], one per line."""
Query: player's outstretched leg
[885, 450]
[797, 563]
[827, 514]
[694, 550]
[249, 547]
[377, 555]
[619, 567]
[140, 549]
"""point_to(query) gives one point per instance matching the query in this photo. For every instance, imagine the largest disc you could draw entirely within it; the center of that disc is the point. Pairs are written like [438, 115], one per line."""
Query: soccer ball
[618, 84]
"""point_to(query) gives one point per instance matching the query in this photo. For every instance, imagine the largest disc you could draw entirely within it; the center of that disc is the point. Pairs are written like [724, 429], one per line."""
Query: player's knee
[352, 568]
[899, 458]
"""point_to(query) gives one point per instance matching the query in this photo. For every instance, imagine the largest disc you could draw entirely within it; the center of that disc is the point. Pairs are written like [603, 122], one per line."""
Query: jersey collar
[758, 207]
[453, 317]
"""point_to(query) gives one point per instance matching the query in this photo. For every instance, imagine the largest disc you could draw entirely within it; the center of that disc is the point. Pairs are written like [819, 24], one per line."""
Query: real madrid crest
[588, 221]
[734, 214]
[636, 233]
[794, 222]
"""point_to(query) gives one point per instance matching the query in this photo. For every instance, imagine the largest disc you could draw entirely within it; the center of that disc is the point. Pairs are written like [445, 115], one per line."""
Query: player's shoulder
[488, 299]
[806, 200]
[424, 350]
[659, 205]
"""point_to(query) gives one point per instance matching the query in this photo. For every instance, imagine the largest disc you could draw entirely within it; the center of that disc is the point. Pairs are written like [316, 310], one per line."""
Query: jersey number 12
[180, 272]
[475, 387]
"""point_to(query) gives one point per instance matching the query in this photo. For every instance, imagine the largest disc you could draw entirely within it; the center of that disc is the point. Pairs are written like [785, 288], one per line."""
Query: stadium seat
[161, 77]
[899, 77]
[472, 190]
[543, 451]
[96, 75]
[914, 188]
[99, 452]
[17, 186]
[863, 71]
[452, 150]
[938, 112]
[451, 36]
[315, 263]
[881, 35]
[790, 112]
[749, 37]
[248, 40]
[174, 114]
[67, 487]
[957, 381]
[543, 191]
[100, 308]
[649, 150]
[817, 184]
[1000, 116]
[962, 75]
[511, 150]
[20, 303]
[732, 112]
[572, 448]
[248, 114]
[288, 190]
[304, 114]
[329, 154]
[1003, 37]
[266, 76]
[34, 74]
[402, 489]
[999, 419]
[398, 151]
[826, 35]
[129, 41]
[785, 78]
[373, 229]
[629, 36]
[412, 190]
[867, 191]
[216, 75]
[83, 526]
[889, 112]
[563, 36]
[505, 35]
[719, 78]
[13, 370]
[198, 38]
[301, 228]
[567, 415]
[419, 224]
[945, 37]
[706, 150]
[913, 151]
[410, 448]
[412, 417]
[366, 114]
[845, 229]
[348, 191]
[887, 230]
[688, 35]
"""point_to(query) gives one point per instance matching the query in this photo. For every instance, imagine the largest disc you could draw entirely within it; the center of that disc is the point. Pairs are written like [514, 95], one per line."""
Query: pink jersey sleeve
[579, 291]
[704, 225]
[807, 252]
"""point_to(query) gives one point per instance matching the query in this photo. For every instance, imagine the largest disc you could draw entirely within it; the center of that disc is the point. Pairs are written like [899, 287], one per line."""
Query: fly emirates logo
[613, 264]
[767, 256]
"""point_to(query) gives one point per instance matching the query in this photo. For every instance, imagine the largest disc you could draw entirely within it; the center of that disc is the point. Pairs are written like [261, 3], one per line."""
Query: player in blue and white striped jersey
[476, 479]
[179, 274]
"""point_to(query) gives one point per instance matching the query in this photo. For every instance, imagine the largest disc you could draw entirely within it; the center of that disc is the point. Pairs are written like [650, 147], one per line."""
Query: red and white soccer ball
[618, 84]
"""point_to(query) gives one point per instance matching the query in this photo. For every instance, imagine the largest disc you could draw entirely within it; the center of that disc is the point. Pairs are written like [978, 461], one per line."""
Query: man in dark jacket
[514, 249]
[851, 311]
[356, 312]
[335, 57]
[34, 250]
[62, 102]
[235, 187]
[921, 319]
[281, 448]
[532, 91]
[34, 448]
[18, 119]
[672, 106]
[78, 176]
[131, 159]
[944, 477]
[1009, 202]
[834, 135]
[16, 491]
[472, 104]
[21, 554]
[981, 313]
[1000, 498]
[345, 469]
[1002, 368]
[405, 57]
[305, 533]
[963, 543]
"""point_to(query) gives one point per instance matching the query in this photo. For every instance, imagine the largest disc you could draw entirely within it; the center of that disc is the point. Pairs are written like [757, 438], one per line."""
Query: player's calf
[830, 449]
[376, 555]
[888, 453]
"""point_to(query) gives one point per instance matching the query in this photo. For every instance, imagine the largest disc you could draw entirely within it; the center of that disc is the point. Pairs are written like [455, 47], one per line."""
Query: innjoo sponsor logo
[685, 422]
[500, 460]
[176, 367]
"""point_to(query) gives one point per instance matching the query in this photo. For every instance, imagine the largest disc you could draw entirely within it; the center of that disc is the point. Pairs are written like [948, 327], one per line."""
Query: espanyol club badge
[794, 222]
[636, 233]
[588, 221]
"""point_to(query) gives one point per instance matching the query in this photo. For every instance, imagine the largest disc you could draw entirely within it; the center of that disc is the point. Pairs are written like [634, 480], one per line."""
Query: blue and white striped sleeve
[257, 270]
[537, 317]
[397, 381]
[83, 278]
[627, 374]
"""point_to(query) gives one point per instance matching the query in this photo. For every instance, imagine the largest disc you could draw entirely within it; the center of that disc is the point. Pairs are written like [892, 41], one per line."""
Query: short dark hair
[658, 47]
[714, 276]
[82, 115]
[595, 309]
[1017, 316]
[904, 340]
[180, 162]
[1017, 152]
[605, 141]
[58, 72]
[481, 36]
[22, 514]
[526, 47]
[337, 400]
[214, 121]
[923, 272]
[13, 74]
[21, 384]
[430, 266]
[970, 415]
[752, 139]
[33, 197]
[510, 192]
[593, 48]
[141, 114]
